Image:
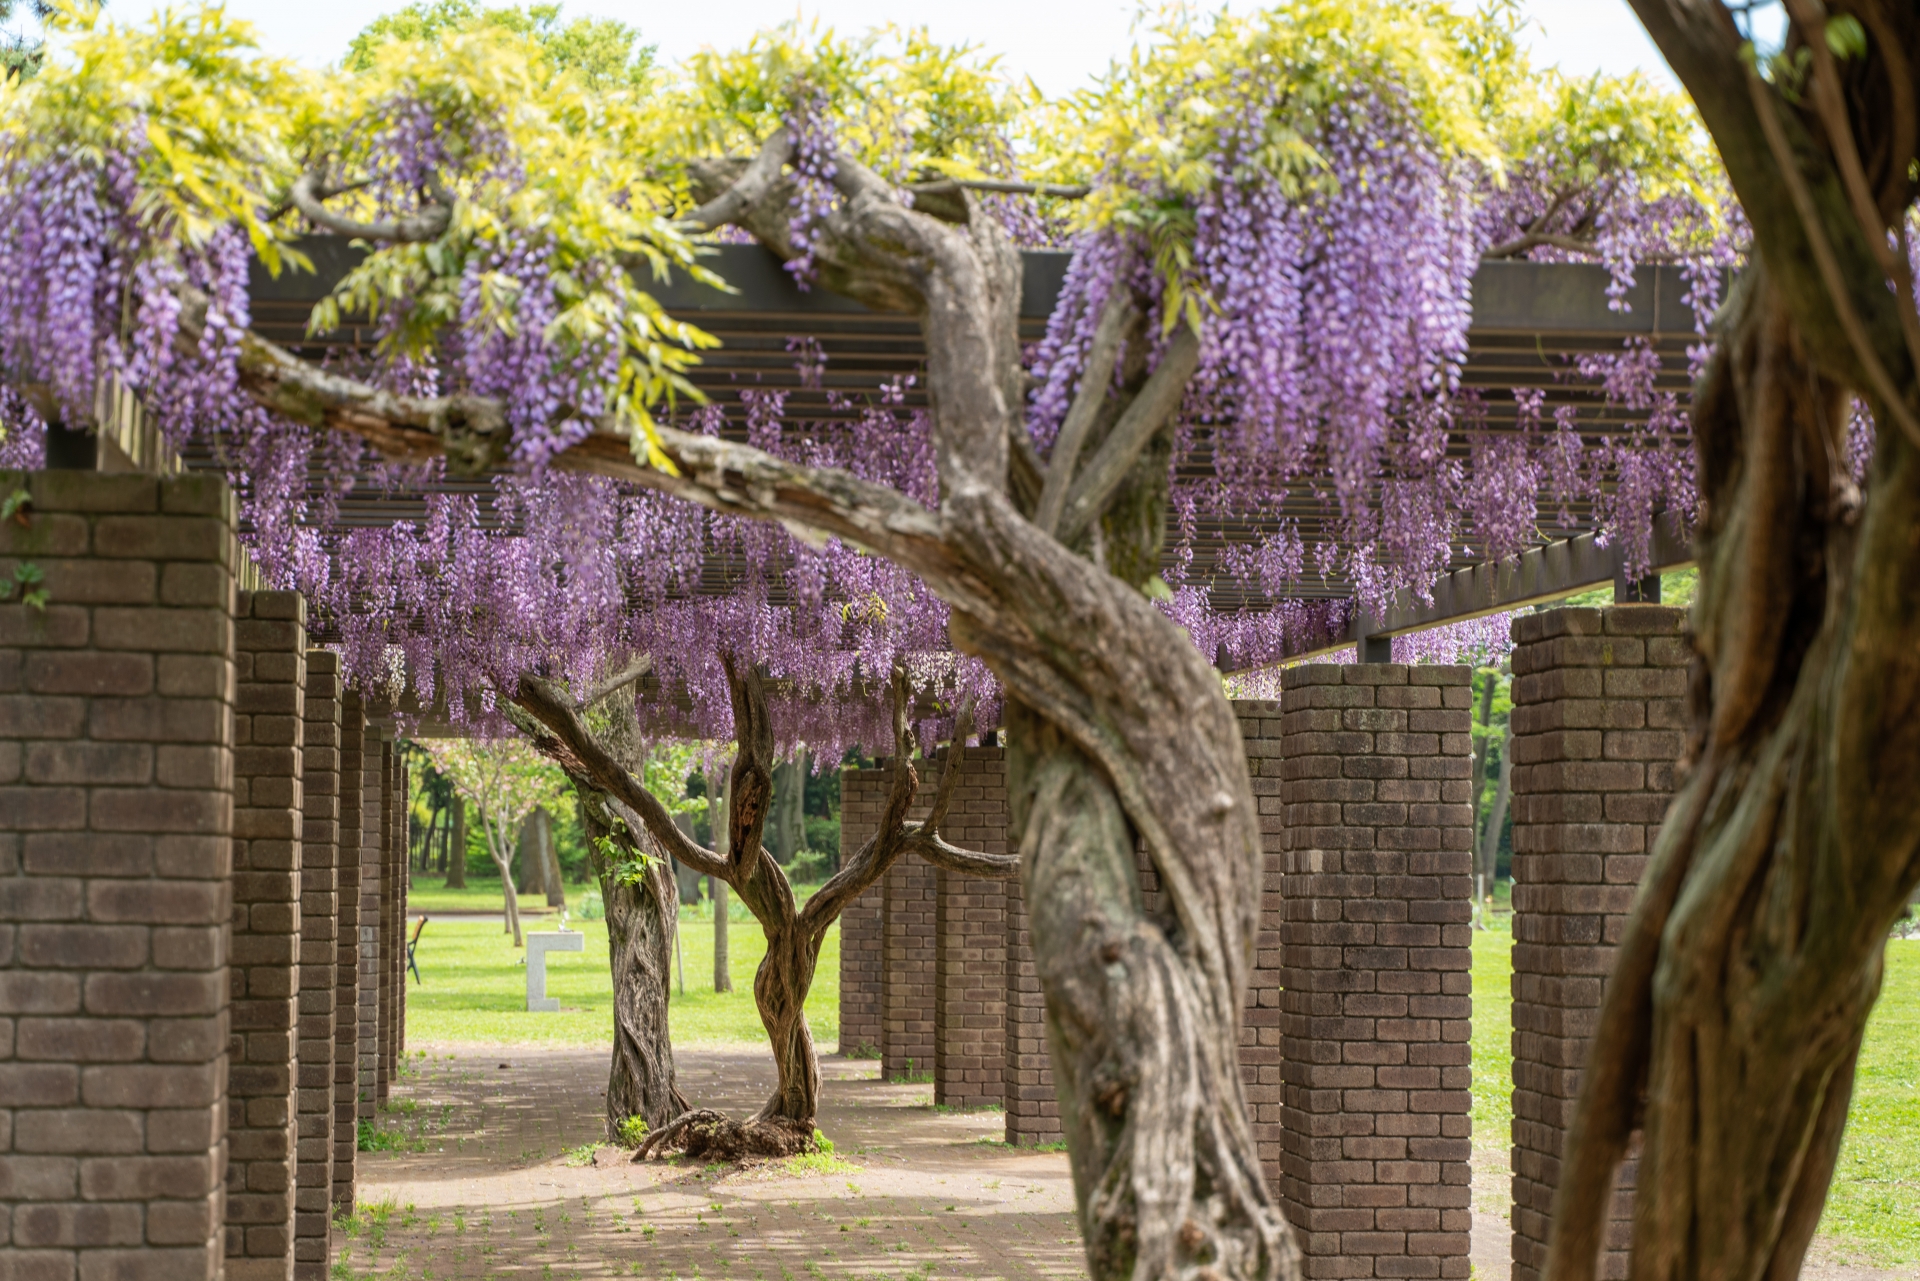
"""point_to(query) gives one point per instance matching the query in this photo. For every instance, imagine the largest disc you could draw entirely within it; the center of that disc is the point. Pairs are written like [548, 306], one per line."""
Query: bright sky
[1059, 43]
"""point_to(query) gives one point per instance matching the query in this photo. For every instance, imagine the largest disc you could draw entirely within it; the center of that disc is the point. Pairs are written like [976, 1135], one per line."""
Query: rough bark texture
[1731, 1025]
[640, 916]
[457, 853]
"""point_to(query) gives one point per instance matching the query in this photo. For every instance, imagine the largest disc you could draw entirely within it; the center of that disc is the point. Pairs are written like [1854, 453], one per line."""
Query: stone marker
[538, 945]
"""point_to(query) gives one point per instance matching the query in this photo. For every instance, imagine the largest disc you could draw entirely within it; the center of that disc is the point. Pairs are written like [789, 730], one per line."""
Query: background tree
[550, 716]
[506, 781]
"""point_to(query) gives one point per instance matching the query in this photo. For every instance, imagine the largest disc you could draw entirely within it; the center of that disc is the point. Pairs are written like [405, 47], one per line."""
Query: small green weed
[631, 1131]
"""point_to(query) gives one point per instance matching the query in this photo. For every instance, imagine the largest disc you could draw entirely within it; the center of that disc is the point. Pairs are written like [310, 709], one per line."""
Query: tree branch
[1702, 45]
[751, 791]
[1142, 420]
[761, 173]
[1879, 382]
[1538, 239]
[950, 186]
[1095, 383]
[633, 671]
[309, 192]
[552, 720]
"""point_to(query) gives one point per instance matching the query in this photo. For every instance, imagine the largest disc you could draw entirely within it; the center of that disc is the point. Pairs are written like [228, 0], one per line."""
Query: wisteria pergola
[1531, 322]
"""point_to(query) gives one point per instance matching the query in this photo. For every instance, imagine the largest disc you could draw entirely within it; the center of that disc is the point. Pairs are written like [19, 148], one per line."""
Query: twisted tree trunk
[1733, 1018]
[784, 1125]
[640, 916]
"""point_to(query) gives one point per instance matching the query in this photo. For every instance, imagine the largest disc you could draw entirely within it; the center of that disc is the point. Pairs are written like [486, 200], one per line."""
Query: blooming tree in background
[505, 780]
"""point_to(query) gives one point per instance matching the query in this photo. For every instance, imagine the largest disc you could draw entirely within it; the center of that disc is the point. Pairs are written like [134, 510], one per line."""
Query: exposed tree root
[714, 1136]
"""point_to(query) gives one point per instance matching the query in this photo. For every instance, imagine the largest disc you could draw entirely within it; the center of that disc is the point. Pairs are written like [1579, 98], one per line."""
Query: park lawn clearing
[480, 895]
[474, 989]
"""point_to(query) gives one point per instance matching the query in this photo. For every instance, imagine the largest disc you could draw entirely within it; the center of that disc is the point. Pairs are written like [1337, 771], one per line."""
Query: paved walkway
[495, 1193]
[498, 1179]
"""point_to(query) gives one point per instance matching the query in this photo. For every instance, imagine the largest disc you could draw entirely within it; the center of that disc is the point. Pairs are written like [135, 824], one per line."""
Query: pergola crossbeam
[1547, 573]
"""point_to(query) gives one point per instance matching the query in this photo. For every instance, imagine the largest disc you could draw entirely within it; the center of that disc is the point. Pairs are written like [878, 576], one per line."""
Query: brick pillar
[906, 1045]
[392, 865]
[402, 880]
[1260, 1051]
[1376, 1005]
[1597, 726]
[373, 773]
[346, 992]
[863, 924]
[270, 643]
[1033, 1109]
[907, 976]
[319, 948]
[116, 812]
[970, 943]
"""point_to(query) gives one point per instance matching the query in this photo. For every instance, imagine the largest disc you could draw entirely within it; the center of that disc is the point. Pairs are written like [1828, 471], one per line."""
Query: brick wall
[1597, 726]
[319, 945]
[270, 642]
[863, 924]
[1376, 1003]
[115, 829]
[373, 834]
[1261, 728]
[346, 1053]
[970, 942]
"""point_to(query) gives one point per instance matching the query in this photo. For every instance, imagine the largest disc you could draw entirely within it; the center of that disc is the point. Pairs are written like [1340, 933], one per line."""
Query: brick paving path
[494, 1193]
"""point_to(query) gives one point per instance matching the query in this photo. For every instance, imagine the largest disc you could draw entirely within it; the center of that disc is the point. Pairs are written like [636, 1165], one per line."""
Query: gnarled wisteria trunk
[785, 1124]
[640, 921]
[1733, 1019]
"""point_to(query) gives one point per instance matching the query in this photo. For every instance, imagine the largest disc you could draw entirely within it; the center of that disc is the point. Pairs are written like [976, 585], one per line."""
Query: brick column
[1376, 1005]
[402, 880]
[1597, 726]
[346, 992]
[906, 1042]
[319, 947]
[1260, 1051]
[392, 866]
[373, 834]
[116, 812]
[909, 916]
[970, 943]
[863, 924]
[1033, 1109]
[270, 643]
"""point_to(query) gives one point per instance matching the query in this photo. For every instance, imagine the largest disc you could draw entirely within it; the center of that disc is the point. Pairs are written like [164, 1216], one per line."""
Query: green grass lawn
[1875, 1203]
[1873, 1209]
[1493, 1033]
[428, 894]
[475, 988]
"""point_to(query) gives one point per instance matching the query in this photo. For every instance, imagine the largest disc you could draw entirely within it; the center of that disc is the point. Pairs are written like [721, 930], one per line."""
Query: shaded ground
[493, 1192]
